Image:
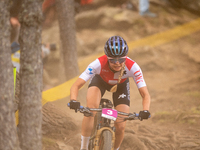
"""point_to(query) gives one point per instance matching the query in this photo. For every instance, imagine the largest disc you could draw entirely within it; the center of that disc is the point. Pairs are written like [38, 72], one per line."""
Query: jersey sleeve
[92, 69]
[138, 76]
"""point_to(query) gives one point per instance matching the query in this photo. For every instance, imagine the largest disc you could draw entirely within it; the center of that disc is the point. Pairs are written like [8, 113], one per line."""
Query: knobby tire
[105, 141]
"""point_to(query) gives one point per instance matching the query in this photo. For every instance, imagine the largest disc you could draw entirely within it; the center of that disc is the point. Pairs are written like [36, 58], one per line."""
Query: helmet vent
[116, 46]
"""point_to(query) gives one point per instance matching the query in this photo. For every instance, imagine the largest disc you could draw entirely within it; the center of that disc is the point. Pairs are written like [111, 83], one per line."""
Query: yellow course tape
[58, 92]
[167, 36]
[153, 40]
[63, 90]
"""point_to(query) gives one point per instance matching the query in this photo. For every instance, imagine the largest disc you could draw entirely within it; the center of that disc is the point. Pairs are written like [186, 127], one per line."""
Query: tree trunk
[8, 132]
[66, 14]
[30, 116]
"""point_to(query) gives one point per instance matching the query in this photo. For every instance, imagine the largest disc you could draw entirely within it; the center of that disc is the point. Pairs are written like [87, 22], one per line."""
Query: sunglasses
[115, 60]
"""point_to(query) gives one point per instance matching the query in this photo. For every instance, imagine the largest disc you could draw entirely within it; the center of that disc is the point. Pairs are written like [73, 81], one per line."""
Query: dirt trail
[172, 74]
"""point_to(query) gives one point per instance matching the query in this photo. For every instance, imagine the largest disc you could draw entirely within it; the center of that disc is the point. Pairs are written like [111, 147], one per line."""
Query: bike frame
[102, 126]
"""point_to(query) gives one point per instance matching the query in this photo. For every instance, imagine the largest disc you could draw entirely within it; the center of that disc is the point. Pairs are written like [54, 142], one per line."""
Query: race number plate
[109, 113]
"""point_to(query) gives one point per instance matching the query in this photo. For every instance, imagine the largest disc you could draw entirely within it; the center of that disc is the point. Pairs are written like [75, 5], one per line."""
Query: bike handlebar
[131, 116]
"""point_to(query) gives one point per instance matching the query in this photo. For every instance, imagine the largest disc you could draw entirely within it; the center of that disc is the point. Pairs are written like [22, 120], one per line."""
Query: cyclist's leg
[120, 127]
[93, 100]
[121, 100]
[95, 92]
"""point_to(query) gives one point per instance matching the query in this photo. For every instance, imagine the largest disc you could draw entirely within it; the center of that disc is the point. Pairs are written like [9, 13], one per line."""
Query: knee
[88, 120]
[120, 128]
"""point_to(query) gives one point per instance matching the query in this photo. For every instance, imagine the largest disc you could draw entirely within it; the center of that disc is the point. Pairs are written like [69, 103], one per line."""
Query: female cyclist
[110, 72]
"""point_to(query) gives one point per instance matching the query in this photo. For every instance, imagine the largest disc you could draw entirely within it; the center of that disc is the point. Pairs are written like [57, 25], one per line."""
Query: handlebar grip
[137, 115]
[81, 107]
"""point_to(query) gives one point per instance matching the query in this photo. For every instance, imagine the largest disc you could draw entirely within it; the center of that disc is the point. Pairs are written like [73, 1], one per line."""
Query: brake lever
[86, 112]
[131, 117]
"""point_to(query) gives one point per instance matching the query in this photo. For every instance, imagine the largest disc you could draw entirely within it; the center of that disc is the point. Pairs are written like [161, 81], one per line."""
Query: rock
[63, 146]
[88, 19]
[56, 121]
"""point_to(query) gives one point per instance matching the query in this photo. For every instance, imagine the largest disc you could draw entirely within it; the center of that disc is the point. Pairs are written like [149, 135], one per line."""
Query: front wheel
[105, 141]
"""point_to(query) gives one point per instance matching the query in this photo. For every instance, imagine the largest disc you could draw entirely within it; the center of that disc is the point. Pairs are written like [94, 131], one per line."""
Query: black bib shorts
[121, 96]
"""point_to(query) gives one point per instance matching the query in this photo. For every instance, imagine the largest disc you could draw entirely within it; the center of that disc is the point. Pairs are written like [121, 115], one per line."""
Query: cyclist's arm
[75, 87]
[92, 69]
[145, 97]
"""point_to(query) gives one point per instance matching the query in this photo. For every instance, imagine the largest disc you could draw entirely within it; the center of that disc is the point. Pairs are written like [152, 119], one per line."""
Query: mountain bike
[103, 133]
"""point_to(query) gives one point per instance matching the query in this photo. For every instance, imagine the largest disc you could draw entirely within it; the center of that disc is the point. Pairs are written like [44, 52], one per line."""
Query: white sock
[117, 148]
[84, 142]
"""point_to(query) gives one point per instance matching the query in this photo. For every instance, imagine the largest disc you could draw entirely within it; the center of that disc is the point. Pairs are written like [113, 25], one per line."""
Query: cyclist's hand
[144, 114]
[74, 105]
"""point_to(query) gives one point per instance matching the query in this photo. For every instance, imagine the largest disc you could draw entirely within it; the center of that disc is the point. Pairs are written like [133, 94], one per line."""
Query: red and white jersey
[101, 67]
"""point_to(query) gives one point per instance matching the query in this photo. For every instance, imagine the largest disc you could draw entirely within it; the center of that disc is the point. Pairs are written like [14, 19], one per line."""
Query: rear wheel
[105, 141]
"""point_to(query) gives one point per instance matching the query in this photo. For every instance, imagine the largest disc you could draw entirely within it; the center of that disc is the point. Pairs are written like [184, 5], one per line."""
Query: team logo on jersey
[90, 70]
[122, 96]
[104, 70]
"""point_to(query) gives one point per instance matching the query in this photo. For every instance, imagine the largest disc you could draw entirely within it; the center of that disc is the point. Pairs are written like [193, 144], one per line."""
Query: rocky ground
[171, 71]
